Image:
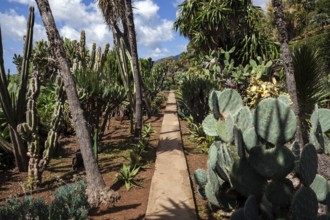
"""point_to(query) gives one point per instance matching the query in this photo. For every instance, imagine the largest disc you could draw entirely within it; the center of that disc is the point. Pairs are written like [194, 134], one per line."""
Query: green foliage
[311, 81]
[127, 175]
[192, 96]
[70, 202]
[147, 131]
[29, 208]
[210, 25]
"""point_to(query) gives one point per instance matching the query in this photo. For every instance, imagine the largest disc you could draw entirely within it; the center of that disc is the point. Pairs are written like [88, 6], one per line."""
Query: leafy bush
[28, 209]
[192, 96]
[70, 202]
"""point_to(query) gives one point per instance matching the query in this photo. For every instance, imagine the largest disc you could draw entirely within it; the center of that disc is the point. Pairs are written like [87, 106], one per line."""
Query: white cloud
[28, 2]
[151, 30]
[152, 36]
[14, 27]
[73, 16]
[146, 9]
[158, 53]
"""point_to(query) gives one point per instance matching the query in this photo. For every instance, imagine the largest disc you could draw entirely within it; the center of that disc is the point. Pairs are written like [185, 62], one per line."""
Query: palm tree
[301, 134]
[96, 191]
[115, 12]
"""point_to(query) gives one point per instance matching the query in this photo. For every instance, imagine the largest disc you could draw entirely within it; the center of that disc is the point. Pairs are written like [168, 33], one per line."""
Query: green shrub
[70, 202]
[29, 208]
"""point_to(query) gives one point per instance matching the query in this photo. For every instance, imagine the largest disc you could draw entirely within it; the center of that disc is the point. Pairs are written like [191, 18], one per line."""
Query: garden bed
[114, 151]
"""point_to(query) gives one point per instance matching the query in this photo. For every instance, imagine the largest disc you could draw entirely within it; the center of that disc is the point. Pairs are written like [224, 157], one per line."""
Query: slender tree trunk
[96, 190]
[301, 134]
[137, 75]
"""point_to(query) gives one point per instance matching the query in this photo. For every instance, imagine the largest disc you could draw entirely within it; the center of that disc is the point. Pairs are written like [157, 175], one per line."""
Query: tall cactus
[15, 114]
[30, 129]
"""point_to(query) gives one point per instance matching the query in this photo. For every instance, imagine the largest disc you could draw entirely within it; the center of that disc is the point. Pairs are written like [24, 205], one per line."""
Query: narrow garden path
[170, 194]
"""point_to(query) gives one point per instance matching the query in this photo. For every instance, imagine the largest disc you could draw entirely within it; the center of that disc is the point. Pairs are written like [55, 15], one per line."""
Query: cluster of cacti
[97, 87]
[250, 156]
[29, 130]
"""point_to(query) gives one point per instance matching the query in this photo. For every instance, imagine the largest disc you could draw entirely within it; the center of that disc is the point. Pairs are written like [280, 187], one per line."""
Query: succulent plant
[251, 208]
[230, 102]
[245, 179]
[274, 121]
[273, 163]
[210, 125]
[308, 164]
[250, 156]
[280, 192]
[321, 187]
[304, 204]
[319, 133]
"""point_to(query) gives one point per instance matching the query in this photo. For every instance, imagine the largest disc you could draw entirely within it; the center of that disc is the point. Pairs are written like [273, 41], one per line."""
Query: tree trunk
[301, 134]
[96, 189]
[137, 75]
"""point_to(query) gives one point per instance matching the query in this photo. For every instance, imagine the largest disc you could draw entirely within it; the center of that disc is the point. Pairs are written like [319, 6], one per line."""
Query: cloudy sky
[153, 20]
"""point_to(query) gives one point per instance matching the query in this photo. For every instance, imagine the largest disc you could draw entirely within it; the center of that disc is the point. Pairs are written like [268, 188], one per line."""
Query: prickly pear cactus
[224, 160]
[213, 104]
[308, 164]
[295, 148]
[304, 204]
[245, 179]
[319, 133]
[244, 119]
[210, 125]
[321, 187]
[211, 195]
[280, 192]
[200, 177]
[273, 163]
[274, 121]
[251, 208]
[250, 138]
[230, 102]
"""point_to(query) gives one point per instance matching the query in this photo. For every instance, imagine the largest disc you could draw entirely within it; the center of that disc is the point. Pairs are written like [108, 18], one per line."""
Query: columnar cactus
[30, 130]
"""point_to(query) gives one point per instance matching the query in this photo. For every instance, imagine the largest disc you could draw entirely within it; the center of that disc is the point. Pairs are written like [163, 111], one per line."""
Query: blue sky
[153, 20]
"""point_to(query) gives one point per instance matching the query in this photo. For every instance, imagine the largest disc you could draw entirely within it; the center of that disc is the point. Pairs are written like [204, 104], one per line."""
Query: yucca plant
[127, 175]
[311, 82]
